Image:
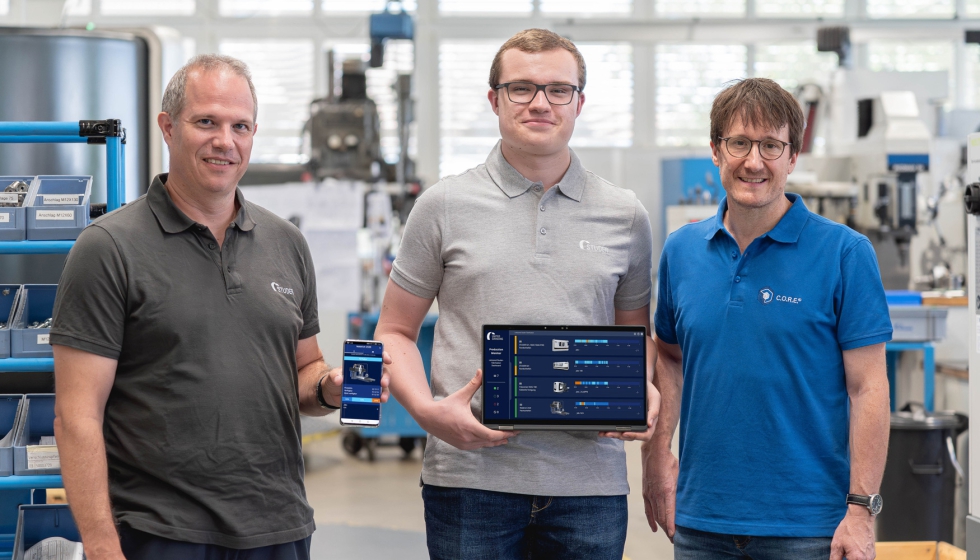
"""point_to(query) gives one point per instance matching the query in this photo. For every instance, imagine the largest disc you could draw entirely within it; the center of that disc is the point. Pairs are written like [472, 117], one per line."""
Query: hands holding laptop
[653, 412]
[452, 420]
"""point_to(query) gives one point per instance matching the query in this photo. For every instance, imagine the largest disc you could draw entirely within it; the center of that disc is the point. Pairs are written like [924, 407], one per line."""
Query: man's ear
[492, 96]
[166, 125]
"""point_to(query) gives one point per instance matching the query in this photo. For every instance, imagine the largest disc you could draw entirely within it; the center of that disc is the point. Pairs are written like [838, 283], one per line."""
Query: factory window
[607, 117]
[911, 8]
[587, 7]
[688, 77]
[249, 8]
[799, 8]
[971, 78]
[500, 7]
[792, 64]
[77, 8]
[281, 71]
[972, 9]
[907, 56]
[399, 59]
[710, 8]
[362, 6]
[148, 7]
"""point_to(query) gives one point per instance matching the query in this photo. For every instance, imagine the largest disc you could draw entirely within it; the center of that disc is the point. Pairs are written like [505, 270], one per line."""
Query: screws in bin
[6, 291]
[19, 187]
[46, 324]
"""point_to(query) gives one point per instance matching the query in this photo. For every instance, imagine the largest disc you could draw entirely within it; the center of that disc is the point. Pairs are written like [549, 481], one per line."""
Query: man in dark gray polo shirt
[185, 352]
[529, 237]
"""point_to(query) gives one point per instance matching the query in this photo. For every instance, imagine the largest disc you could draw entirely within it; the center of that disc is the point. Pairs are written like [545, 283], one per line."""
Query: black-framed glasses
[740, 146]
[524, 92]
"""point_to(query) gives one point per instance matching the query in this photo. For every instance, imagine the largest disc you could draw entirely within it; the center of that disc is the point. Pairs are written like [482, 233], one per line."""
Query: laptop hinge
[506, 428]
[622, 428]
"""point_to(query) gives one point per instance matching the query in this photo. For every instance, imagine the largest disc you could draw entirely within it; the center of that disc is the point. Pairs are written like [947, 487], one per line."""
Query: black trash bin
[919, 486]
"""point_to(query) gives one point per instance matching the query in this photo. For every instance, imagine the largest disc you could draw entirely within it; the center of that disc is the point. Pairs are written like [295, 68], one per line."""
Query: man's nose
[540, 101]
[754, 159]
[222, 137]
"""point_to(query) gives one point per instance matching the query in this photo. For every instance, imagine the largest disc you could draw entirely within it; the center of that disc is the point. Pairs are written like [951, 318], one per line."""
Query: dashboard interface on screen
[361, 393]
[567, 377]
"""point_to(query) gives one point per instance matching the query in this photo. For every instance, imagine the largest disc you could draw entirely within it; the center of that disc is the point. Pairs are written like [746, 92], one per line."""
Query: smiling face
[210, 140]
[537, 128]
[753, 182]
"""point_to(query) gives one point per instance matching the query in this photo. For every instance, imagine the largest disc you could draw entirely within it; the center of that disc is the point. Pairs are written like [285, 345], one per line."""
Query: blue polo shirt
[764, 413]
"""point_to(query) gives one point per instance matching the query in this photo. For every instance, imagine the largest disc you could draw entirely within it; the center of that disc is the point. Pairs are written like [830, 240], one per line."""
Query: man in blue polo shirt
[771, 325]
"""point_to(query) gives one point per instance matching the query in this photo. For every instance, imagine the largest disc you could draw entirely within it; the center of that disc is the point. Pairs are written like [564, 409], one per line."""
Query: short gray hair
[174, 97]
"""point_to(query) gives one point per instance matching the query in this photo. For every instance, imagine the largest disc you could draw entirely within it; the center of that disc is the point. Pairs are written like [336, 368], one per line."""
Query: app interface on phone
[361, 396]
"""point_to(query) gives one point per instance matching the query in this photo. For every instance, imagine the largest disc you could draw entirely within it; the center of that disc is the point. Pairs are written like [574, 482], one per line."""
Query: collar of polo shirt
[172, 220]
[514, 184]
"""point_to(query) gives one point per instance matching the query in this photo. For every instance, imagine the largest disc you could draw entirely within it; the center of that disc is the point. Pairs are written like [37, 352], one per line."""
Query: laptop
[545, 377]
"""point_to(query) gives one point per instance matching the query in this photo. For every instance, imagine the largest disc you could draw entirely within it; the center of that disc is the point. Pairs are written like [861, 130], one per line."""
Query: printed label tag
[55, 215]
[61, 198]
[43, 457]
[4, 218]
[44, 338]
[9, 198]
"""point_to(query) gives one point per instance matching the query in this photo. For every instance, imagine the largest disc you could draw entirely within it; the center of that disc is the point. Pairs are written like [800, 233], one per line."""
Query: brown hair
[758, 102]
[535, 41]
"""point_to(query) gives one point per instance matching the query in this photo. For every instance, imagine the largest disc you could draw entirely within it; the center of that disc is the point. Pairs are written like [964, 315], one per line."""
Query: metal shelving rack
[16, 490]
[109, 133]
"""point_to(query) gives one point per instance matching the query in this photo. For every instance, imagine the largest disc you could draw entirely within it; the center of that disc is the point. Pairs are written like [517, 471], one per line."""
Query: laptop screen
[564, 376]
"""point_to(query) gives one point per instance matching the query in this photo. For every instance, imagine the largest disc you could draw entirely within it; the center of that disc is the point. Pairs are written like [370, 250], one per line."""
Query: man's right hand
[452, 420]
[660, 469]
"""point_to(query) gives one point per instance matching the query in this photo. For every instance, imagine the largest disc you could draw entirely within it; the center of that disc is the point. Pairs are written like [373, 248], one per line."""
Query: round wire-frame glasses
[769, 148]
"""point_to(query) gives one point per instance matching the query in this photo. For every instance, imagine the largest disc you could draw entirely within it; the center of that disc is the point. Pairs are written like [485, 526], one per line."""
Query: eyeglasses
[740, 146]
[524, 92]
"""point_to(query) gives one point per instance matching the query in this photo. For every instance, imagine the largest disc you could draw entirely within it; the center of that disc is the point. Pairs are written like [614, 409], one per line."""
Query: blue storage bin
[8, 296]
[13, 221]
[38, 522]
[10, 406]
[36, 421]
[35, 304]
[58, 207]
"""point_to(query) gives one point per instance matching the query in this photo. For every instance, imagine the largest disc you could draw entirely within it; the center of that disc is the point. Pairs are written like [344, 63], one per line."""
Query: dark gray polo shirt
[202, 427]
[496, 248]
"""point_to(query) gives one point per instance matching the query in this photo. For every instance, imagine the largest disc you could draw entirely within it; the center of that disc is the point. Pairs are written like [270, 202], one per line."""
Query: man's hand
[333, 383]
[660, 488]
[653, 412]
[452, 421]
[854, 538]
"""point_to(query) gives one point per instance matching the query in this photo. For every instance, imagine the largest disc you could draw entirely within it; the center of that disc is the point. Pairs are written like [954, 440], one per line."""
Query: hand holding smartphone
[360, 403]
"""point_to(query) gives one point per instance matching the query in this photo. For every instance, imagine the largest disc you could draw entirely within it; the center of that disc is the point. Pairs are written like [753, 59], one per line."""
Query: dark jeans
[481, 525]
[691, 544]
[137, 545]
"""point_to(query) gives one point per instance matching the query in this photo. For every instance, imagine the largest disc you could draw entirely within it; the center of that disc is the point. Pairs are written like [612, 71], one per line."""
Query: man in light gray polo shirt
[513, 241]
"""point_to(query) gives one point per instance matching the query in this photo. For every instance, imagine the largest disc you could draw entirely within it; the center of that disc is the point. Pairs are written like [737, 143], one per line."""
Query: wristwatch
[319, 396]
[872, 502]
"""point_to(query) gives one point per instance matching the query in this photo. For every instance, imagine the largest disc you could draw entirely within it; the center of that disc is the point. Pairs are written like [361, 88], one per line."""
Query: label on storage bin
[9, 198]
[54, 215]
[44, 338]
[62, 199]
[4, 218]
[43, 457]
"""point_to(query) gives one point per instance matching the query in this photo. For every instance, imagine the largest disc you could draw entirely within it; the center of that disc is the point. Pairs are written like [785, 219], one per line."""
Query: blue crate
[36, 304]
[36, 421]
[10, 406]
[38, 522]
[50, 214]
[13, 221]
[8, 296]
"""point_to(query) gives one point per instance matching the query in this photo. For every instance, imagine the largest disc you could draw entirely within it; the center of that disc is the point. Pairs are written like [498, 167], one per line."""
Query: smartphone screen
[360, 402]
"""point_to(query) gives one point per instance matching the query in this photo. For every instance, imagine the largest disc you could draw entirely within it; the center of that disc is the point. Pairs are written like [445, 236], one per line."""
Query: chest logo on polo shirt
[282, 290]
[767, 296]
[586, 246]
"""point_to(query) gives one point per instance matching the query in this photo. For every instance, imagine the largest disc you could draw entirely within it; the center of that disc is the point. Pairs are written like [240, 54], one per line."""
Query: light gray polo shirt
[495, 247]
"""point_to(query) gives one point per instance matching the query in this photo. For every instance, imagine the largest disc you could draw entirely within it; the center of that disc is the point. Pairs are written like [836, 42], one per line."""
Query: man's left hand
[653, 412]
[854, 538]
[333, 382]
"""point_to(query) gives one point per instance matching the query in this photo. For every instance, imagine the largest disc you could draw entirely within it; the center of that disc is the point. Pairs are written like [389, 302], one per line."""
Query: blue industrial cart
[18, 490]
[397, 425]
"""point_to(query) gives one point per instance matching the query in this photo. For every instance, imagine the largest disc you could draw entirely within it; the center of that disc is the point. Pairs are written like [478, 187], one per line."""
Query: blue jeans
[691, 544]
[483, 525]
[137, 545]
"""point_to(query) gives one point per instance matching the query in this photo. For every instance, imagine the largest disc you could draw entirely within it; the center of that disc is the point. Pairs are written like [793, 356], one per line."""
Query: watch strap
[319, 396]
[859, 499]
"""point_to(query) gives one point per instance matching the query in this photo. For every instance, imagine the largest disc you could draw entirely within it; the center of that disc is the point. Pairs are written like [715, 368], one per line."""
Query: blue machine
[396, 423]
[688, 180]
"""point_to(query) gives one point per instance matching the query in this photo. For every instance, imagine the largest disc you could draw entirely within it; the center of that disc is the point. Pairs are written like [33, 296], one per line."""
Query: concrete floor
[368, 510]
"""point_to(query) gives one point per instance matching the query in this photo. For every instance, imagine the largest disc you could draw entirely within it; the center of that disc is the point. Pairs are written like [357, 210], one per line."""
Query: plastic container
[10, 406]
[38, 522]
[916, 323]
[13, 220]
[35, 305]
[58, 207]
[903, 297]
[919, 487]
[36, 421]
[8, 296]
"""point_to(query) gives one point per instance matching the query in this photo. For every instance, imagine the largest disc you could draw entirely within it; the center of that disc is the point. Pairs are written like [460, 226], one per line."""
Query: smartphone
[360, 402]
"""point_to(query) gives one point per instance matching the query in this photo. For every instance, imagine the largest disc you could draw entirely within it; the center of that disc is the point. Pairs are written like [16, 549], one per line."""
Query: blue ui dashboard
[361, 395]
[564, 376]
